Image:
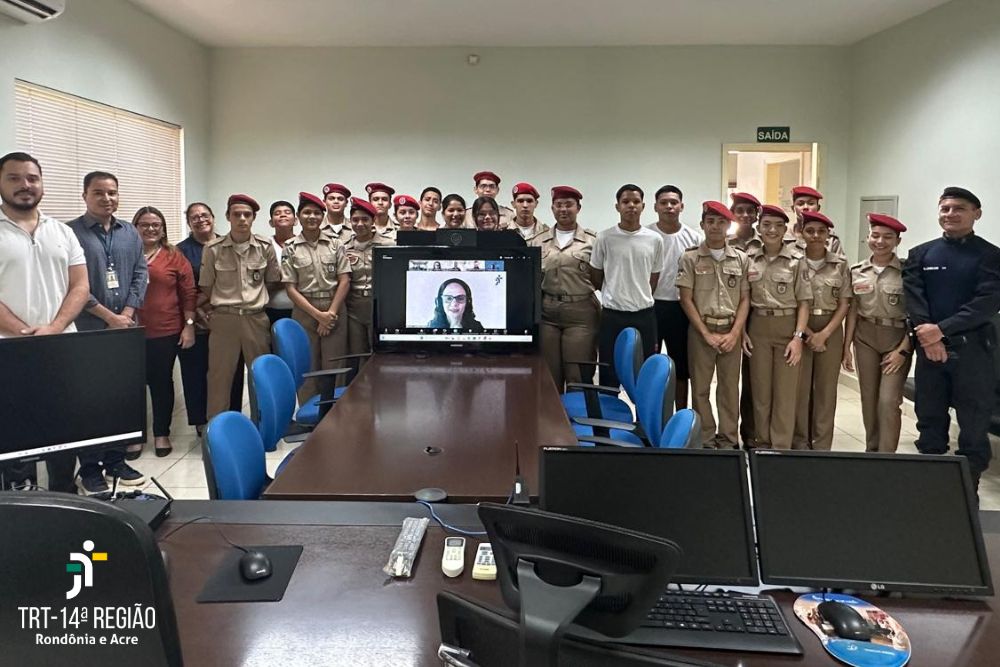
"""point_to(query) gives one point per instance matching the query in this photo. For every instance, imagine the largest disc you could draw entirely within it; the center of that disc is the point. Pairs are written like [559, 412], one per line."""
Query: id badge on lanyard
[110, 274]
[111, 278]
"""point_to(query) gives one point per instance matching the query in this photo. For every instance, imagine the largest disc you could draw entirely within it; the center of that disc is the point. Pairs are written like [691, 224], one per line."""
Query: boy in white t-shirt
[626, 263]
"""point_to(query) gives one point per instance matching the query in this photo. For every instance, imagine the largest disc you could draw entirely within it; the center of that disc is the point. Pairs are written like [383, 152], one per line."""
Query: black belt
[567, 298]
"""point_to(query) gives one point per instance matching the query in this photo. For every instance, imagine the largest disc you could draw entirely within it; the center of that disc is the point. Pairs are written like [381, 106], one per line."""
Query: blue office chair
[274, 394]
[234, 452]
[655, 388]
[292, 344]
[683, 430]
[589, 400]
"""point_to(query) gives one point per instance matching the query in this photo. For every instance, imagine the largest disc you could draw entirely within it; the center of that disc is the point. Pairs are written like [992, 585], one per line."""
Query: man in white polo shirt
[43, 281]
[626, 263]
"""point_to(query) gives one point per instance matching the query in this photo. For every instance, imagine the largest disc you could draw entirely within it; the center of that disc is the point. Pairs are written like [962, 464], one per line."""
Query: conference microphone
[520, 495]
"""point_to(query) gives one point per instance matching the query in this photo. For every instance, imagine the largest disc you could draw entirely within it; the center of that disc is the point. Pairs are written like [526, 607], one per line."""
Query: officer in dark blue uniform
[952, 287]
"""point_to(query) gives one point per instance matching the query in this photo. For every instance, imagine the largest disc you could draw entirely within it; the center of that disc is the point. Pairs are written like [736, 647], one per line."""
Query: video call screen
[456, 295]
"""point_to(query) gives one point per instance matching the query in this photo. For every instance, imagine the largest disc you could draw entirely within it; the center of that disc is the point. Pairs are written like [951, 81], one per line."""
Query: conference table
[461, 423]
[340, 608]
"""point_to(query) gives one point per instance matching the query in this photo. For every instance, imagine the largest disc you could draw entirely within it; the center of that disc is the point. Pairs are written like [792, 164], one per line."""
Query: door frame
[814, 147]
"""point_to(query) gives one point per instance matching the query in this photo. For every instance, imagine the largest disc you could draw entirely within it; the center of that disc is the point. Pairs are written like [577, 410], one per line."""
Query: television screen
[428, 296]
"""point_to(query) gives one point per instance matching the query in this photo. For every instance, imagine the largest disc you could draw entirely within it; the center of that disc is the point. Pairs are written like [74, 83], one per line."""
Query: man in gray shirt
[118, 276]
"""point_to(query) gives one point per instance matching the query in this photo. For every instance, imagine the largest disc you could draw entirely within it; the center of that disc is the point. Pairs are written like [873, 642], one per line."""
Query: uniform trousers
[704, 361]
[232, 334]
[612, 324]
[773, 382]
[569, 332]
[359, 324]
[161, 353]
[819, 375]
[881, 394]
[194, 379]
[966, 382]
[748, 431]
[323, 349]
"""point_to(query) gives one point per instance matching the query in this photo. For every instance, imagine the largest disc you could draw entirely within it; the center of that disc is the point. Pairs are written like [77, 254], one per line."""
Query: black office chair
[76, 555]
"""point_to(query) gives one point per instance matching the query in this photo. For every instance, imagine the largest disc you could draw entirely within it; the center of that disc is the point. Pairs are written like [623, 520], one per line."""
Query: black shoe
[126, 474]
[92, 484]
[133, 454]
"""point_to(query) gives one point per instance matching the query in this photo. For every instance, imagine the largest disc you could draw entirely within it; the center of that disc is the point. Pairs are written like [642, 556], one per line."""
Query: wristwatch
[800, 335]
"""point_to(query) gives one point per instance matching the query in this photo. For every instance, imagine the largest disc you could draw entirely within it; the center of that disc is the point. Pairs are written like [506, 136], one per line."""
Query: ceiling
[483, 23]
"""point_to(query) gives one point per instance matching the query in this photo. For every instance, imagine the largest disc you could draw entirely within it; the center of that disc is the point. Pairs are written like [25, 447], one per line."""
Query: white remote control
[453, 558]
[484, 569]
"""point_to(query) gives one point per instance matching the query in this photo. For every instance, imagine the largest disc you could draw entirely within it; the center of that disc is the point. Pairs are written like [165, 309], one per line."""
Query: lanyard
[107, 241]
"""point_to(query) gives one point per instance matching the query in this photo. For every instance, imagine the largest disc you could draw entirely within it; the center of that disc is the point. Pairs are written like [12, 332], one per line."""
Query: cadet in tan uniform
[359, 255]
[335, 198]
[453, 211]
[745, 209]
[486, 213]
[430, 204]
[406, 209]
[805, 198]
[380, 196]
[571, 313]
[237, 271]
[317, 277]
[488, 185]
[876, 325]
[715, 297]
[779, 308]
[819, 373]
[525, 200]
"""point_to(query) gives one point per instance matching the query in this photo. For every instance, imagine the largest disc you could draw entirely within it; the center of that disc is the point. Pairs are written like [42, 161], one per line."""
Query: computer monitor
[865, 521]
[456, 298]
[699, 498]
[75, 391]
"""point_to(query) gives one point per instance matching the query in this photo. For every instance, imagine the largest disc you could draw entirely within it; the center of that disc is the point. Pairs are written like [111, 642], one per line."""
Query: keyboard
[726, 621]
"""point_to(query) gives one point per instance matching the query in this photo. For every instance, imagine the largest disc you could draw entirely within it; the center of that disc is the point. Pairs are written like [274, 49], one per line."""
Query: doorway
[769, 171]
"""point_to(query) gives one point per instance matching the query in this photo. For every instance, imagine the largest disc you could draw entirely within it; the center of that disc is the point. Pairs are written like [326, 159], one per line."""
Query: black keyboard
[721, 621]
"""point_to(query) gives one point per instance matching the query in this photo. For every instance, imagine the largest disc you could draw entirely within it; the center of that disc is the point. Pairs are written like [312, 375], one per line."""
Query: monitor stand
[546, 611]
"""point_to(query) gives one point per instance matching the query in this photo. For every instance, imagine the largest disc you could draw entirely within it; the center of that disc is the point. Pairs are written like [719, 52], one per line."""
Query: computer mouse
[846, 622]
[255, 565]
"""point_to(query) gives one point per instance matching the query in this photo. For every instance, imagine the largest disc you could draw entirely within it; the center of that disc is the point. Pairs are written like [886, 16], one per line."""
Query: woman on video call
[453, 307]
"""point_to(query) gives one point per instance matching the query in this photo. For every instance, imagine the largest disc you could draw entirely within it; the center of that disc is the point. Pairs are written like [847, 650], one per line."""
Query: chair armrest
[580, 362]
[586, 386]
[298, 437]
[327, 402]
[327, 372]
[603, 423]
[598, 440]
[358, 355]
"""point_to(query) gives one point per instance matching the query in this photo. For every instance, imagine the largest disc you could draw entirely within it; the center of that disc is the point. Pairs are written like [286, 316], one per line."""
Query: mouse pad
[227, 584]
[888, 647]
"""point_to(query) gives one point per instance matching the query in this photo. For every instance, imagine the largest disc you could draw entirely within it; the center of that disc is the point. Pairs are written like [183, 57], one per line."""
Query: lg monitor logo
[81, 566]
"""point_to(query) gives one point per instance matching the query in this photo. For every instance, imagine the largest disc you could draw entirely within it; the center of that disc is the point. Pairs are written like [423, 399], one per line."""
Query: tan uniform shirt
[833, 244]
[879, 295]
[746, 246]
[716, 286]
[776, 283]
[343, 235]
[313, 267]
[389, 232]
[359, 257]
[566, 271]
[506, 218]
[829, 283]
[237, 274]
[531, 232]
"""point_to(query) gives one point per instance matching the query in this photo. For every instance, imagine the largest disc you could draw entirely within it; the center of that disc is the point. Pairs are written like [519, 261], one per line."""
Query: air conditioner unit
[32, 11]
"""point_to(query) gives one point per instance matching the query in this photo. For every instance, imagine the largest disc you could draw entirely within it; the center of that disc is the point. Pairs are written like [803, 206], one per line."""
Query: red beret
[745, 197]
[776, 211]
[243, 199]
[566, 192]
[336, 187]
[361, 204]
[309, 198]
[716, 207]
[486, 176]
[525, 189]
[886, 221]
[405, 200]
[816, 216]
[806, 191]
[372, 188]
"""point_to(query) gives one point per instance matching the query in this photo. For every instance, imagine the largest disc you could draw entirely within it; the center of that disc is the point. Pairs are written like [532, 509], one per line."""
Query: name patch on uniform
[863, 288]
[935, 268]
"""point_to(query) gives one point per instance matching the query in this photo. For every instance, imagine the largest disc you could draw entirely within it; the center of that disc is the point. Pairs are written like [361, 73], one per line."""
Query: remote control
[453, 558]
[484, 568]
[403, 555]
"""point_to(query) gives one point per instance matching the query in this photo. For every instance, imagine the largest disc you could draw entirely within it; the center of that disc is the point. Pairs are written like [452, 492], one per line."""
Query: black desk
[338, 609]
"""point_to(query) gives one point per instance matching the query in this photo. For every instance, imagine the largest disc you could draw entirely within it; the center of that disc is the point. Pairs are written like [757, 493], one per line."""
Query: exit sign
[775, 134]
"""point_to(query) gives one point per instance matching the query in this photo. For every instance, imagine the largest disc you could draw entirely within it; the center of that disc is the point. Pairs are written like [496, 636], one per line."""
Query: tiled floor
[183, 474]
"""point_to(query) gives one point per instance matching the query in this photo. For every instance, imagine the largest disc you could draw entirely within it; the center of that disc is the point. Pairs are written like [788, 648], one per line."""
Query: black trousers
[59, 466]
[194, 378]
[966, 382]
[161, 353]
[275, 314]
[612, 323]
[672, 328]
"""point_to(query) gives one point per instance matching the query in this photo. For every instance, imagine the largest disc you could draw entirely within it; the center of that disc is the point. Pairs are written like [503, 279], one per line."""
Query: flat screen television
[438, 298]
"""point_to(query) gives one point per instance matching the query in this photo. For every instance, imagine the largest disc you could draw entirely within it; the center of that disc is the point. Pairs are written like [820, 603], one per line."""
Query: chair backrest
[292, 344]
[628, 359]
[237, 456]
[683, 430]
[274, 396]
[654, 401]
[64, 551]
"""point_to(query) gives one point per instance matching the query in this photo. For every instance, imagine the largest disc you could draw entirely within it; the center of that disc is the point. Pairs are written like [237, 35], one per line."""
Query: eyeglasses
[448, 299]
[199, 216]
[486, 214]
[150, 226]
